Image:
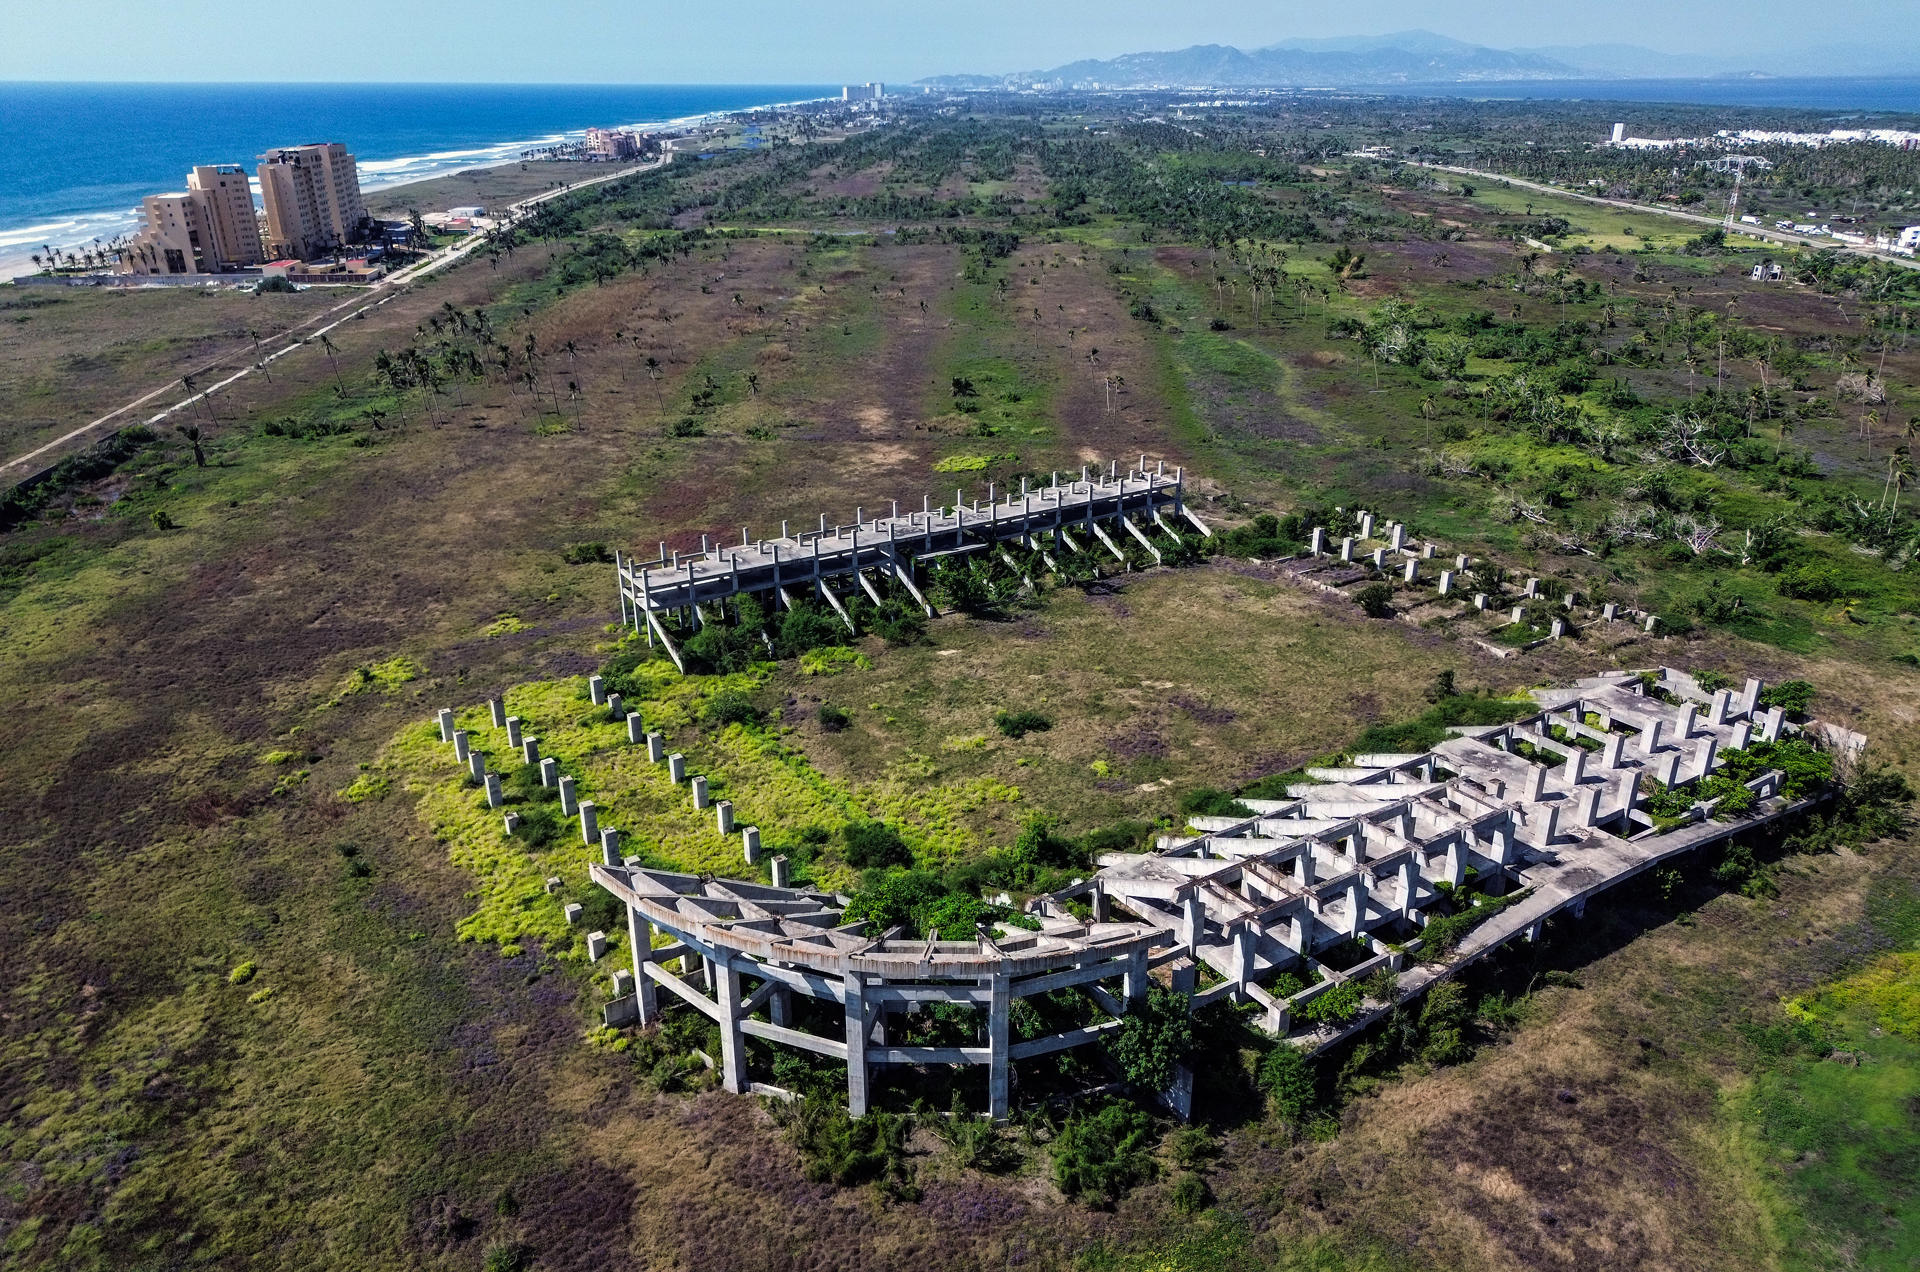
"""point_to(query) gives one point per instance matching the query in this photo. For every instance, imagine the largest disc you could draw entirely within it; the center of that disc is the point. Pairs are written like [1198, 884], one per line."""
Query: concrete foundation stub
[622, 982]
[1379, 558]
[596, 946]
[1346, 549]
[567, 805]
[1446, 582]
[589, 823]
[477, 764]
[635, 731]
[610, 847]
[530, 750]
[677, 768]
[1411, 572]
[446, 724]
[511, 822]
[495, 796]
[1559, 628]
[699, 792]
[513, 731]
[597, 690]
[750, 844]
[616, 708]
[656, 748]
[549, 772]
[782, 872]
[1651, 621]
[1518, 611]
[460, 745]
[1609, 611]
[723, 816]
[553, 884]
[571, 912]
[1480, 601]
[498, 710]
[1318, 544]
[1533, 588]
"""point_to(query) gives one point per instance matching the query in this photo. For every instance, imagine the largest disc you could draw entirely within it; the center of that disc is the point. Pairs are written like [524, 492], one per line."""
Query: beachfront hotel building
[312, 199]
[208, 228]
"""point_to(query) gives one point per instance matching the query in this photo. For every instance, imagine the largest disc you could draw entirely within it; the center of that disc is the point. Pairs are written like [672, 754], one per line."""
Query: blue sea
[75, 159]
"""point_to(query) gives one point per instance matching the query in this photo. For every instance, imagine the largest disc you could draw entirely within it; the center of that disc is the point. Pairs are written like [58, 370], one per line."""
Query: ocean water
[76, 159]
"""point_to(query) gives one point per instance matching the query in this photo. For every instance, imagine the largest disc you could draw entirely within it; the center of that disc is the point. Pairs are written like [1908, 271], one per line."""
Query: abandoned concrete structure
[834, 561]
[1330, 885]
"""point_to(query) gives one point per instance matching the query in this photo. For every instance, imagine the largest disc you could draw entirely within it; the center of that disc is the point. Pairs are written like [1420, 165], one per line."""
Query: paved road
[1753, 231]
[297, 337]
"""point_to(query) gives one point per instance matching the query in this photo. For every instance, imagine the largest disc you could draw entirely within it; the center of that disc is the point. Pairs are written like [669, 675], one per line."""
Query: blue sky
[822, 41]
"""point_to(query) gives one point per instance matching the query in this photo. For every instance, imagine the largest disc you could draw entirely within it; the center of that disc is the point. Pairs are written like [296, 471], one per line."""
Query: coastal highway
[297, 337]
[1751, 231]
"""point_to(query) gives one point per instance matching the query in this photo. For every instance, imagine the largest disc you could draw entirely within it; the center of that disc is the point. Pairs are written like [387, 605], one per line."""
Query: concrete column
[615, 707]
[1536, 783]
[1689, 717]
[635, 731]
[782, 872]
[856, 991]
[1356, 906]
[1576, 766]
[1630, 796]
[513, 731]
[1134, 988]
[1770, 724]
[1193, 920]
[1609, 611]
[699, 792]
[494, 796]
[1610, 751]
[567, 805]
[1650, 737]
[549, 772]
[1366, 525]
[999, 1080]
[1703, 758]
[677, 768]
[1409, 886]
[1411, 572]
[1426, 552]
[510, 823]
[1397, 537]
[750, 844]
[477, 764]
[1532, 589]
[1480, 601]
[1244, 937]
[610, 848]
[597, 690]
[461, 745]
[1722, 700]
[1379, 558]
[589, 822]
[596, 946]
[1545, 823]
[1742, 735]
[1318, 543]
[723, 816]
[656, 748]
[1666, 768]
[780, 1007]
[1558, 629]
[1503, 842]
[530, 750]
[1518, 612]
[733, 1044]
[1652, 621]
[1587, 805]
[446, 724]
[1446, 582]
[1346, 549]
[1750, 696]
[498, 711]
[640, 944]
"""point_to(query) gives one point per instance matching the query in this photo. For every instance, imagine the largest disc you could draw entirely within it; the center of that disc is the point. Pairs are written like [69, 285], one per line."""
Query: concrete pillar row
[656, 748]
[597, 690]
[677, 768]
[610, 848]
[513, 731]
[567, 805]
[750, 844]
[549, 772]
[1722, 701]
[446, 724]
[461, 745]
[589, 822]
[1610, 750]
[1446, 582]
[498, 711]
[636, 731]
[699, 785]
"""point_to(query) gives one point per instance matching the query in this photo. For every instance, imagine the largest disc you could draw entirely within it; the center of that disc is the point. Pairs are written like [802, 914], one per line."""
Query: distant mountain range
[1422, 57]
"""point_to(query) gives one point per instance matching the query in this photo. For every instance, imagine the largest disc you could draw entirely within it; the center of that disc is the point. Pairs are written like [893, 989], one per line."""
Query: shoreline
[18, 244]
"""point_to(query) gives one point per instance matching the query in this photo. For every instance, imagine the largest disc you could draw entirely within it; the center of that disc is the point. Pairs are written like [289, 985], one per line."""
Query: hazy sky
[817, 41]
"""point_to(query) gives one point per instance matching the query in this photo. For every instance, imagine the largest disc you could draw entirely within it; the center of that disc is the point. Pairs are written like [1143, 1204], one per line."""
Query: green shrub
[847, 1150]
[973, 1141]
[1286, 1075]
[1444, 1019]
[720, 648]
[872, 844]
[1335, 1006]
[281, 285]
[1375, 600]
[833, 719]
[1017, 724]
[592, 553]
[1153, 1039]
[1811, 583]
[1208, 801]
[502, 1254]
[730, 706]
[1791, 696]
[1190, 1194]
[1100, 1156]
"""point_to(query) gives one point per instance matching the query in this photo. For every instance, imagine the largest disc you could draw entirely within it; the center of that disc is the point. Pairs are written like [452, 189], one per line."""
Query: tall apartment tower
[1619, 133]
[312, 198]
[205, 229]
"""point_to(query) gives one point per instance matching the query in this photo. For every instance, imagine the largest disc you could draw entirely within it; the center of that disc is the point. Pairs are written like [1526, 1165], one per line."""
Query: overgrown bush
[730, 706]
[833, 719]
[1208, 801]
[851, 1150]
[1286, 1075]
[1153, 1039]
[1017, 724]
[873, 844]
[1375, 600]
[972, 1140]
[590, 553]
[1190, 1194]
[1101, 1155]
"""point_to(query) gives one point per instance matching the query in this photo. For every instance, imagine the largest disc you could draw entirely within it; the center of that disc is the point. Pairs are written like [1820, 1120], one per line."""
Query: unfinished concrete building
[864, 556]
[1329, 885]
